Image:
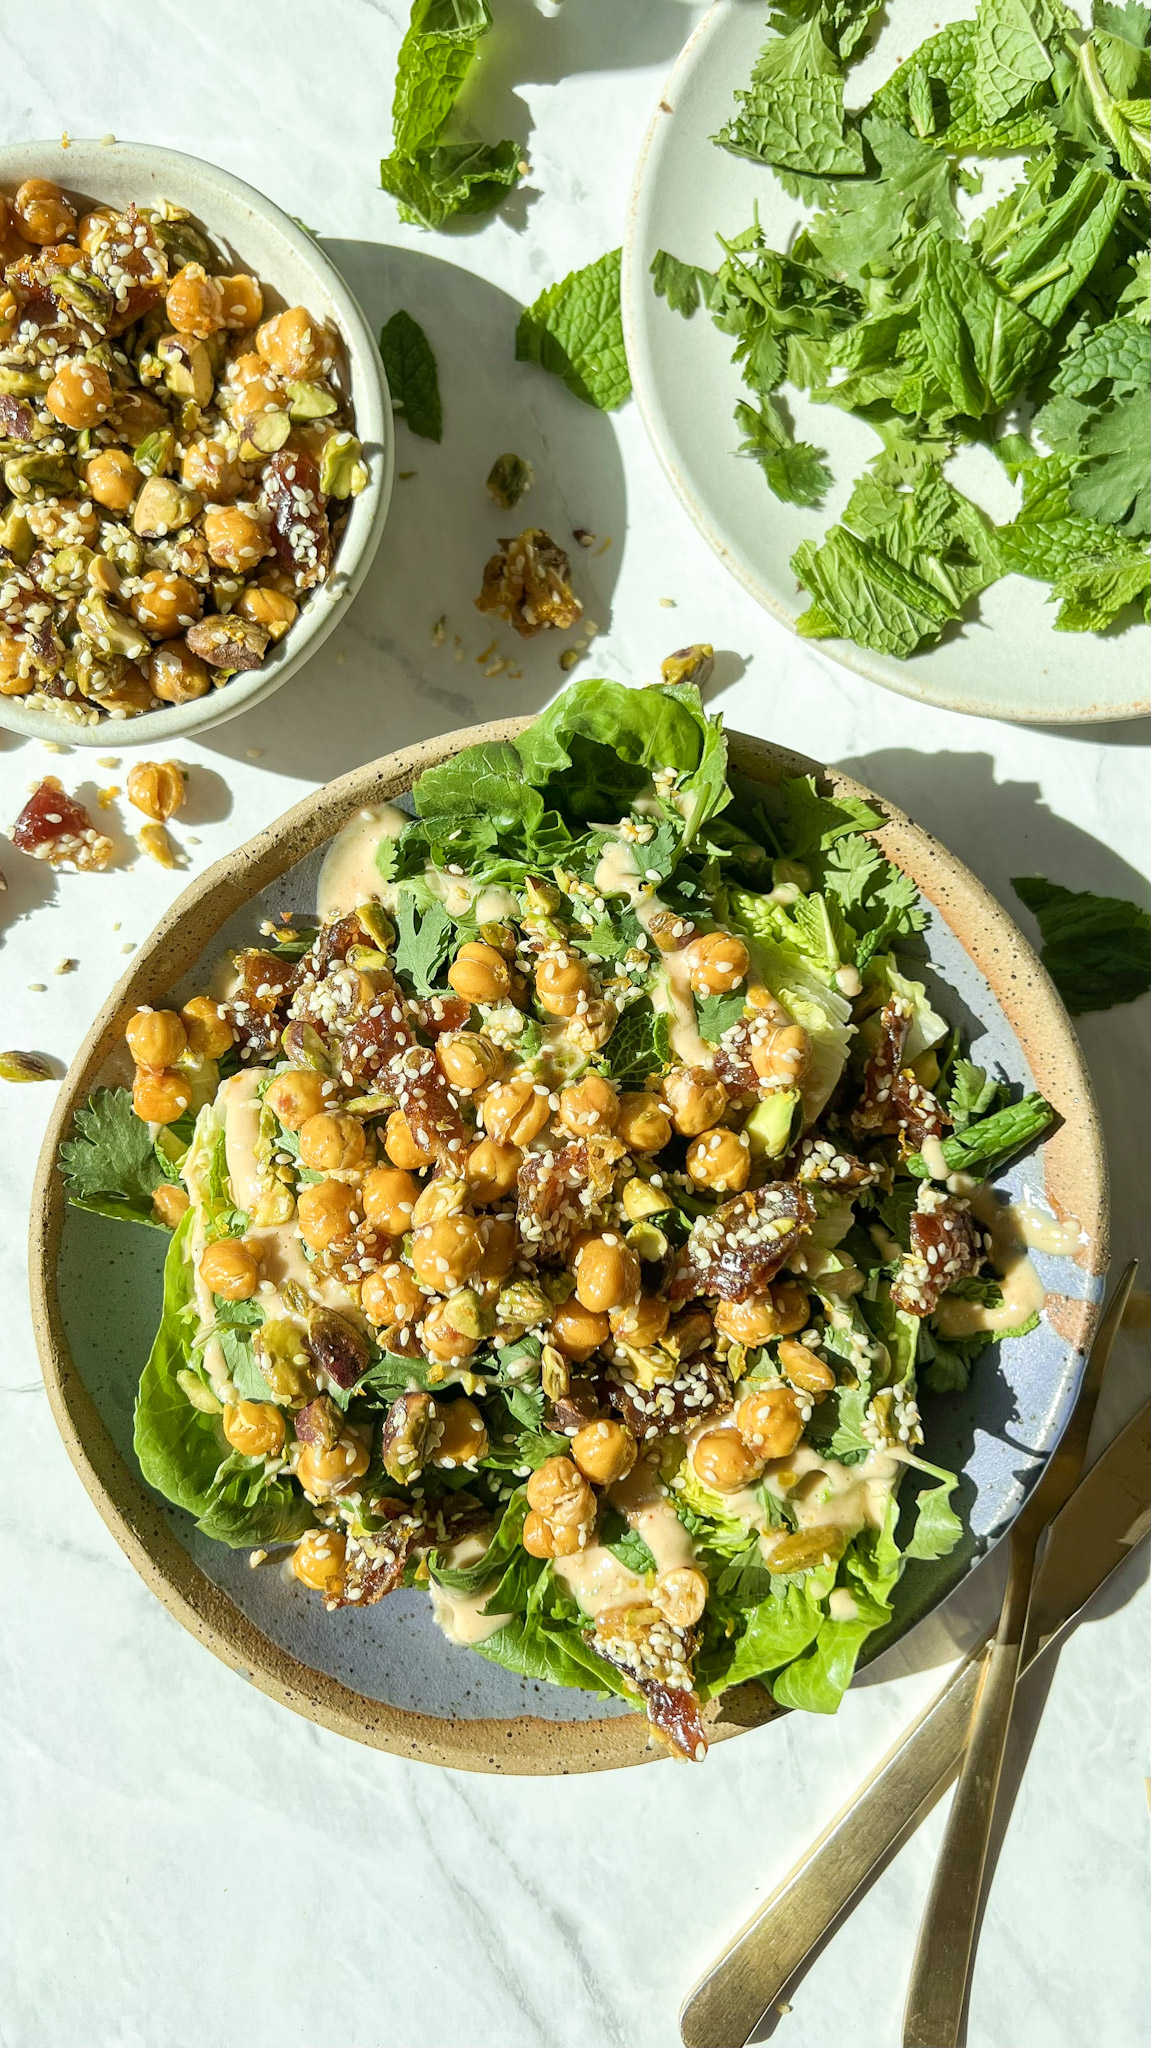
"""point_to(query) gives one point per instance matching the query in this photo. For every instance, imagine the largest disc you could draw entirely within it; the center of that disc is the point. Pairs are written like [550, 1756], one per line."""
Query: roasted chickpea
[769, 1420]
[156, 788]
[176, 675]
[463, 1434]
[170, 1203]
[589, 1108]
[720, 1160]
[235, 539]
[491, 1171]
[781, 1055]
[295, 1095]
[64, 522]
[717, 963]
[249, 389]
[606, 1273]
[539, 1538]
[325, 1213]
[194, 302]
[165, 604]
[443, 1196]
[563, 983]
[113, 479]
[294, 345]
[156, 1038]
[271, 609]
[42, 213]
[604, 1451]
[516, 1110]
[254, 1428]
[129, 692]
[400, 1145]
[804, 1369]
[480, 974]
[558, 1490]
[578, 1331]
[208, 1031]
[80, 395]
[500, 1246]
[680, 1595]
[696, 1098]
[243, 301]
[16, 674]
[784, 1307]
[9, 309]
[468, 1059]
[641, 1322]
[441, 1339]
[389, 1196]
[724, 1461]
[160, 1096]
[318, 1560]
[643, 1124]
[390, 1296]
[210, 468]
[322, 1472]
[446, 1254]
[231, 1269]
[330, 1143]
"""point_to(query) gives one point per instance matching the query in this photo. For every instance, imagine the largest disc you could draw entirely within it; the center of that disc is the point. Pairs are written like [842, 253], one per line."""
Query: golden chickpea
[781, 1055]
[322, 1472]
[295, 1095]
[156, 1038]
[559, 1490]
[779, 1312]
[501, 1244]
[176, 675]
[641, 1322]
[9, 311]
[769, 1420]
[318, 1560]
[804, 1369]
[271, 609]
[156, 788]
[589, 1108]
[539, 1538]
[696, 1099]
[231, 1269]
[210, 468]
[720, 1160]
[390, 1296]
[717, 963]
[64, 522]
[463, 1435]
[440, 1338]
[80, 395]
[42, 213]
[563, 984]
[14, 682]
[195, 303]
[243, 301]
[724, 1461]
[94, 229]
[325, 1213]
[480, 974]
[389, 1196]
[491, 1171]
[604, 1451]
[249, 389]
[516, 1110]
[606, 1273]
[446, 1254]
[643, 1124]
[165, 604]
[681, 1595]
[254, 1428]
[468, 1059]
[235, 539]
[400, 1145]
[160, 1096]
[170, 1203]
[112, 479]
[330, 1143]
[294, 345]
[578, 1331]
[130, 693]
[209, 1033]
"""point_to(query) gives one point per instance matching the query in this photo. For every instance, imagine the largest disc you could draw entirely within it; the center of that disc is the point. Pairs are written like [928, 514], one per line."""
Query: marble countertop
[189, 1866]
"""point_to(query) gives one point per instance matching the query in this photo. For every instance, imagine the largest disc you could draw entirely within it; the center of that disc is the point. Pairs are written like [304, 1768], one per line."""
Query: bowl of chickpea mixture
[577, 1268]
[195, 443]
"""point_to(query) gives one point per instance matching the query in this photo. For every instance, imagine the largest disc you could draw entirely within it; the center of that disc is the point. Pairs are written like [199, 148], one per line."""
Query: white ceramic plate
[1006, 662]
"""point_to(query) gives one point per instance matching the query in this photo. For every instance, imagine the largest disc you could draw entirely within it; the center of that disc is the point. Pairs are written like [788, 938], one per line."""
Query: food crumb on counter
[156, 842]
[129, 946]
[65, 966]
[439, 629]
[668, 603]
[107, 797]
[38, 988]
[107, 760]
[254, 754]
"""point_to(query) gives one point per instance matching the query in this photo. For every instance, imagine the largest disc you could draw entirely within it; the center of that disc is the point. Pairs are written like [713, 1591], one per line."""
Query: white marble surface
[188, 1866]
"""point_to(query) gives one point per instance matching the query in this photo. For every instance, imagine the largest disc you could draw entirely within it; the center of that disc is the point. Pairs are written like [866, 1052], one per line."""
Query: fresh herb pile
[1026, 330]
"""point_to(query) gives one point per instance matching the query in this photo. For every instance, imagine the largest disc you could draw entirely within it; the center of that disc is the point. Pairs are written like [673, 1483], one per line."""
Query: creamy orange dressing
[461, 1615]
[349, 874]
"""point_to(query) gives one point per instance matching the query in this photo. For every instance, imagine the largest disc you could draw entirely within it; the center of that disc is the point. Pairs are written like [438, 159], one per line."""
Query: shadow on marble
[208, 802]
[381, 681]
[528, 47]
[1120, 732]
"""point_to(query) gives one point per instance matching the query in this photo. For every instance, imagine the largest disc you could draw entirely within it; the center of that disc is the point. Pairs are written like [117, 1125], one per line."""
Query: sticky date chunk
[299, 529]
[337, 1348]
[945, 1247]
[892, 1102]
[736, 1250]
[700, 1388]
[431, 1110]
[655, 1657]
[437, 1015]
[375, 1040]
[332, 944]
[733, 1060]
[48, 814]
[375, 1563]
[528, 584]
[17, 419]
[257, 1011]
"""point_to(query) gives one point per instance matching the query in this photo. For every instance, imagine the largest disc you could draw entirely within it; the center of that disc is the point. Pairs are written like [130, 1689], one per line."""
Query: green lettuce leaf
[459, 177]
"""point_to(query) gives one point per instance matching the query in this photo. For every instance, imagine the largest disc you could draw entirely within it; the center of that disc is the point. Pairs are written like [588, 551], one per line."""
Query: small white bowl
[293, 270]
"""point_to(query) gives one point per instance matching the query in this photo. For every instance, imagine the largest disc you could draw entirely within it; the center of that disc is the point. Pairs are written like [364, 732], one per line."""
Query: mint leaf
[575, 330]
[1119, 350]
[110, 1165]
[463, 177]
[795, 470]
[431, 180]
[410, 368]
[625, 1542]
[1009, 57]
[860, 593]
[792, 114]
[1097, 949]
[423, 942]
[988, 1144]
[639, 1046]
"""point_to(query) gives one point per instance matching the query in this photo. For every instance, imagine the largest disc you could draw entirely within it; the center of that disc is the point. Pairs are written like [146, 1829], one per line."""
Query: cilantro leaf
[717, 1014]
[683, 285]
[1097, 949]
[1113, 485]
[412, 377]
[972, 1094]
[423, 942]
[575, 330]
[110, 1166]
[795, 470]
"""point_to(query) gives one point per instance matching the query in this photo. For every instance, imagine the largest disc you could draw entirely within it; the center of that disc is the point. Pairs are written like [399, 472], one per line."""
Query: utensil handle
[722, 2009]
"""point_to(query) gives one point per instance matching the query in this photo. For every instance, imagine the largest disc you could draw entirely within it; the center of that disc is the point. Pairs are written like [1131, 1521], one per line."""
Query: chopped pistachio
[342, 470]
[264, 435]
[39, 473]
[689, 664]
[110, 630]
[154, 455]
[198, 1394]
[508, 478]
[310, 401]
[24, 1066]
[187, 368]
[163, 506]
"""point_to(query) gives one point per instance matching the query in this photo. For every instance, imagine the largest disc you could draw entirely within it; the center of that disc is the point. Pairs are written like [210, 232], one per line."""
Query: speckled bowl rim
[1076, 1183]
[192, 182]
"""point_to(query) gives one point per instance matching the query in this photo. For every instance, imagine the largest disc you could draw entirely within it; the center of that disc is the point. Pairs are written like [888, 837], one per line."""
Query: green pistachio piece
[84, 293]
[508, 478]
[296, 1298]
[39, 474]
[540, 897]
[155, 454]
[66, 569]
[264, 435]
[283, 1359]
[343, 472]
[181, 241]
[377, 924]
[24, 1066]
[641, 1200]
[186, 366]
[689, 664]
[305, 1048]
[369, 1105]
[555, 1373]
[21, 383]
[111, 630]
[163, 506]
[647, 1241]
[16, 536]
[522, 1301]
[311, 401]
[123, 550]
[469, 1315]
[409, 1436]
[367, 959]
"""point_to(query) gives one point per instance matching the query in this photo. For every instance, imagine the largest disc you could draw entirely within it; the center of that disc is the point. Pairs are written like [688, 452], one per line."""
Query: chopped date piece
[655, 1658]
[17, 419]
[733, 1059]
[333, 943]
[699, 1388]
[436, 1015]
[431, 1110]
[52, 826]
[225, 641]
[819, 1163]
[374, 1564]
[571, 1411]
[375, 1041]
[299, 531]
[736, 1250]
[945, 1246]
[553, 1199]
[673, 1711]
[258, 1010]
[528, 584]
[875, 1113]
[919, 1113]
